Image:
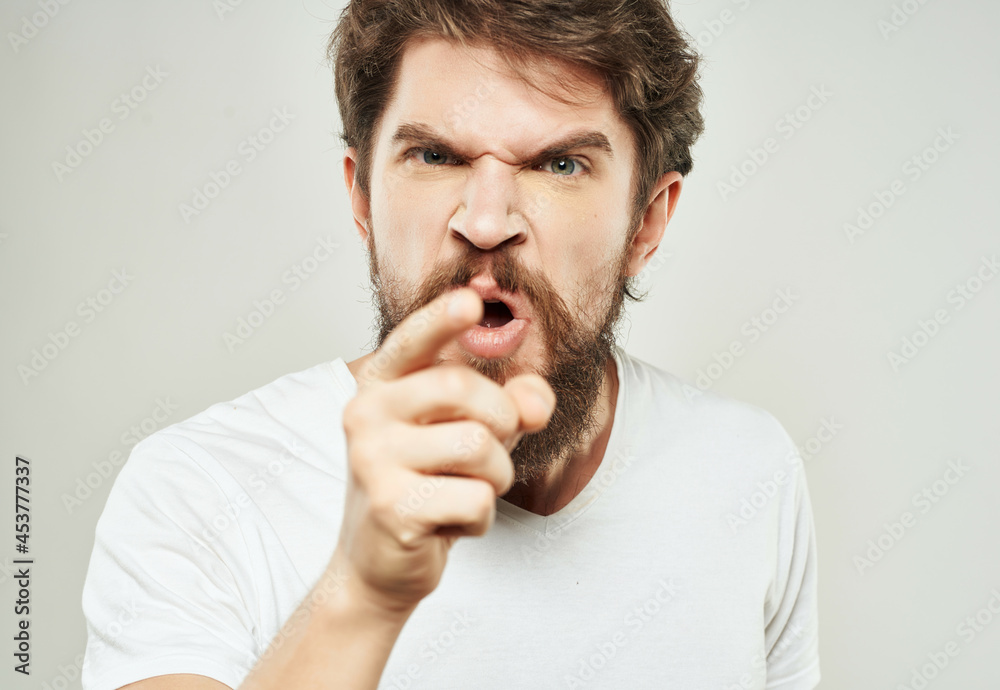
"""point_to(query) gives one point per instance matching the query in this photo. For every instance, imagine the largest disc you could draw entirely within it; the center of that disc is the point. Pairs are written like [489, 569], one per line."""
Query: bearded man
[511, 169]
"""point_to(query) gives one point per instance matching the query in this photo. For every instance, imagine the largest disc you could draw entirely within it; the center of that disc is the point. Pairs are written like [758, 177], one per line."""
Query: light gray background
[721, 264]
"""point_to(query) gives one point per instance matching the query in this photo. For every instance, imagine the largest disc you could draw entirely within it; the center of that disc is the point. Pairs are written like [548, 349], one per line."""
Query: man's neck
[561, 484]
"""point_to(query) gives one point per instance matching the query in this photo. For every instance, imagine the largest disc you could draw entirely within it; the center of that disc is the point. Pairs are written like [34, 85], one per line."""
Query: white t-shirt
[688, 561]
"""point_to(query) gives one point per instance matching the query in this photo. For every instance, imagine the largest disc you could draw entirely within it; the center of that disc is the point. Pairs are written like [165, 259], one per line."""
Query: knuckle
[508, 474]
[357, 414]
[504, 415]
[485, 504]
[361, 455]
[408, 536]
[472, 442]
[454, 382]
[383, 506]
[539, 381]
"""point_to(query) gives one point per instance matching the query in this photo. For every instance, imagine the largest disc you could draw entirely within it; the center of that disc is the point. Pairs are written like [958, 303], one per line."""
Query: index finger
[414, 344]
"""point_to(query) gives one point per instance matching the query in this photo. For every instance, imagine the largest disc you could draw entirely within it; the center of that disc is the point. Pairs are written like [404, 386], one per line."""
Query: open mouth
[496, 314]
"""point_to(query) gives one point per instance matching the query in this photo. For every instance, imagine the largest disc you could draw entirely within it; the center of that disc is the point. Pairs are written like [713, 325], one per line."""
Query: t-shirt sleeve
[791, 634]
[160, 595]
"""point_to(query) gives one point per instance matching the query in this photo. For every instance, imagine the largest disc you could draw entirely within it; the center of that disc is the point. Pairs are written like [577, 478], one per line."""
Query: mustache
[509, 273]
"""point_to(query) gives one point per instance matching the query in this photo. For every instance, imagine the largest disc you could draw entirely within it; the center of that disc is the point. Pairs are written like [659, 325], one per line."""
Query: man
[511, 169]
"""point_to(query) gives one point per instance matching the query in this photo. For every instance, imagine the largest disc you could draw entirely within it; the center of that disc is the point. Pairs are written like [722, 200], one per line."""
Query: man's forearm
[334, 639]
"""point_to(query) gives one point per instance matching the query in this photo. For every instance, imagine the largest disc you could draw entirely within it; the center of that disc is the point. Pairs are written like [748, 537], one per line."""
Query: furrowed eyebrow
[425, 137]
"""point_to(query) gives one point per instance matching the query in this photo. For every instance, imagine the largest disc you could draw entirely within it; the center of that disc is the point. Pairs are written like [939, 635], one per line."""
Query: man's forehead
[467, 93]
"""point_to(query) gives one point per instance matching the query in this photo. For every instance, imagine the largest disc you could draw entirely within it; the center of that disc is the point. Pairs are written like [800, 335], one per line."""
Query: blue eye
[563, 166]
[433, 157]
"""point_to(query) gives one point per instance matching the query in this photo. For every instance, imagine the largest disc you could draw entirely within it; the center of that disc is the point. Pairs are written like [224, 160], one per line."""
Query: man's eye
[564, 167]
[431, 157]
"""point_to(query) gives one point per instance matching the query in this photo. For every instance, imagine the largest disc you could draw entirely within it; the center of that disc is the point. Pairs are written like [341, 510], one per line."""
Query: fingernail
[544, 400]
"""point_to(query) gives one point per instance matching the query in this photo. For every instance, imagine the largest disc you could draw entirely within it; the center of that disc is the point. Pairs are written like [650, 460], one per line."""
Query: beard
[578, 354]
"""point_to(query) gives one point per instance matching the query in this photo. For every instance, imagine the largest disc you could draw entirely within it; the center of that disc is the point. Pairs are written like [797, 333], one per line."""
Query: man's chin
[499, 369]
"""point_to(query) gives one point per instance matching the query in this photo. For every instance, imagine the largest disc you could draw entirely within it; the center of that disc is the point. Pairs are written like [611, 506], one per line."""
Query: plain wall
[727, 254]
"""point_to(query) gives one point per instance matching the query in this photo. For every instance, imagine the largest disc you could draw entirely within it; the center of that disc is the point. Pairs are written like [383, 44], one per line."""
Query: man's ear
[360, 207]
[663, 201]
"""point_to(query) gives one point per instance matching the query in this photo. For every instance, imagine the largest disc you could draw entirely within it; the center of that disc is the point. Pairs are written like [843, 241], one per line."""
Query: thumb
[535, 401]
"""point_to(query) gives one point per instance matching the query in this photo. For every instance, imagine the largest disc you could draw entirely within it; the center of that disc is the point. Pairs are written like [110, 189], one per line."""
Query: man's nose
[490, 213]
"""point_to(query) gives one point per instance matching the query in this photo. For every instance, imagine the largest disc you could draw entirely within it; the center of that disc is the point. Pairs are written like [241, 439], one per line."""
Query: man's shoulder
[675, 407]
[288, 418]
